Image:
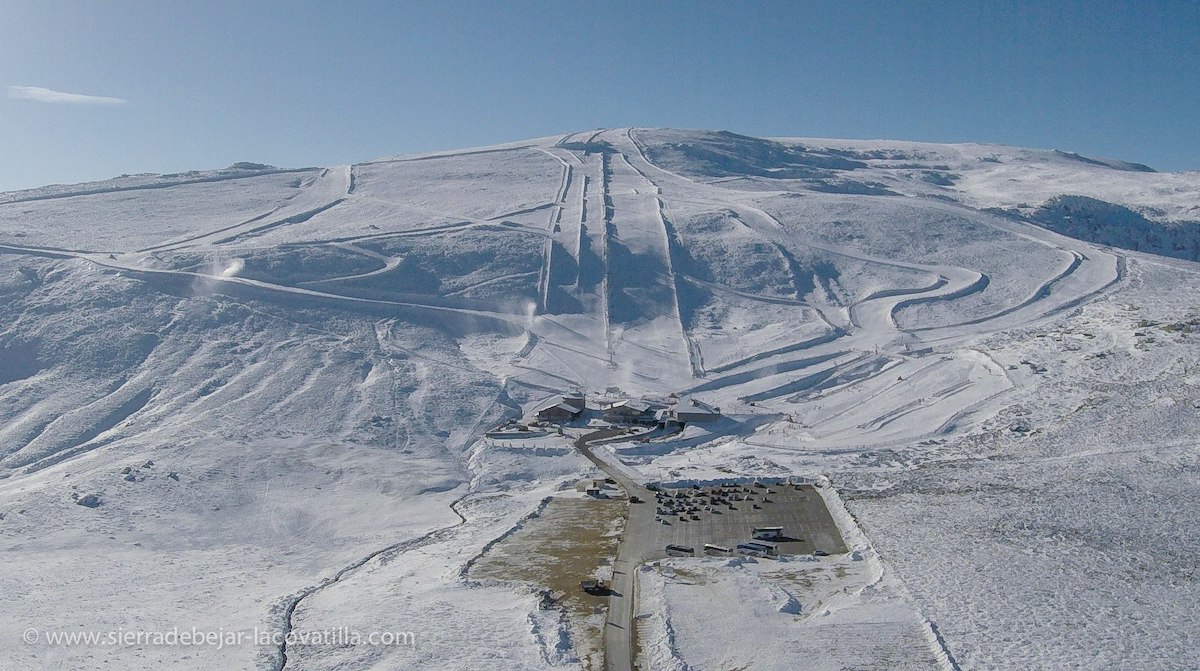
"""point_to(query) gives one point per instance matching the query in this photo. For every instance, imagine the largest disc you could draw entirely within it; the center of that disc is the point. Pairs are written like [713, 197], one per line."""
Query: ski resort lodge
[629, 412]
[558, 413]
[568, 408]
[695, 411]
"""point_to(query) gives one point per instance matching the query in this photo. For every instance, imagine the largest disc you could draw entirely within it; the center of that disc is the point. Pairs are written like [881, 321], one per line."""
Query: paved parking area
[799, 509]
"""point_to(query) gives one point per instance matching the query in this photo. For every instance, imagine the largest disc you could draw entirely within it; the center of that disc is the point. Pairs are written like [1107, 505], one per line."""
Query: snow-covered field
[256, 398]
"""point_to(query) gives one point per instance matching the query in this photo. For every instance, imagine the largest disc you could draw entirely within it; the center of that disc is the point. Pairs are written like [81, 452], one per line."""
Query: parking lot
[800, 510]
[726, 516]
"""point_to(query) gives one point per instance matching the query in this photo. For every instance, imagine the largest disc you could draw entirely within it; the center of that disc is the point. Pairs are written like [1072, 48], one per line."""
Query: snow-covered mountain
[256, 398]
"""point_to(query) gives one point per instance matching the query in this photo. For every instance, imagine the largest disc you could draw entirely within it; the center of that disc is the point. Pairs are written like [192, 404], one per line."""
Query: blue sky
[206, 84]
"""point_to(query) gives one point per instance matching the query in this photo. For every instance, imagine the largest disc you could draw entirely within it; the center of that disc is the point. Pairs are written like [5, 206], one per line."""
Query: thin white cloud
[39, 94]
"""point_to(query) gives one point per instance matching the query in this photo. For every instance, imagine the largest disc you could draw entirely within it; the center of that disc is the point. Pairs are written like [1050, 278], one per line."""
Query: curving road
[632, 552]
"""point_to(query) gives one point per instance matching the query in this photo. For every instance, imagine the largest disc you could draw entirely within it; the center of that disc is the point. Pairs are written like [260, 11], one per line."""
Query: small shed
[589, 483]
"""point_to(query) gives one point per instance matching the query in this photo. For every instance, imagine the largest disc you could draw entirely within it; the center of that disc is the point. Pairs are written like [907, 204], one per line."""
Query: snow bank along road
[309, 357]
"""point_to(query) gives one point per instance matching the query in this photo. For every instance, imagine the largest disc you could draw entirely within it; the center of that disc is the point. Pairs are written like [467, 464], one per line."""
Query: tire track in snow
[605, 298]
[552, 226]
[293, 602]
[642, 282]
[153, 186]
[494, 280]
[673, 246]
[779, 351]
[956, 282]
[341, 188]
[1018, 228]
[1040, 293]
[185, 283]
[761, 373]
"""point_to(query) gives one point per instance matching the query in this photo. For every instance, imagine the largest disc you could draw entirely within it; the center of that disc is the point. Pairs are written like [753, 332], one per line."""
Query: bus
[752, 550]
[712, 549]
[680, 550]
[769, 548]
[766, 533]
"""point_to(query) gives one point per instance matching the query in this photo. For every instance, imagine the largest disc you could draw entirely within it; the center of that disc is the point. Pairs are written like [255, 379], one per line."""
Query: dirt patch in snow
[570, 541]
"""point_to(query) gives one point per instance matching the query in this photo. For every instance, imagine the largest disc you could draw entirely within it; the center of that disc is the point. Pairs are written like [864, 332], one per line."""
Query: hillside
[256, 397]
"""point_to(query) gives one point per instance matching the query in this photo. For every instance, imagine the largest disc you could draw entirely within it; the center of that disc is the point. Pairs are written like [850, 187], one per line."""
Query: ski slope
[275, 384]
